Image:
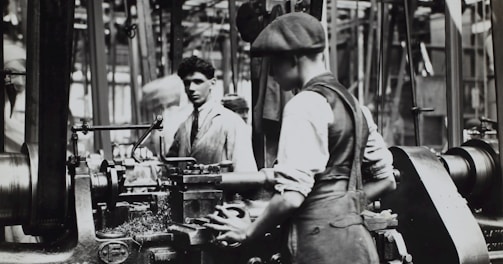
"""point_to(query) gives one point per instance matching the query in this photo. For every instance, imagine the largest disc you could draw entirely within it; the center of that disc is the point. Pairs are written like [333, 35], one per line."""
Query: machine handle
[155, 125]
[245, 180]
[178, 159]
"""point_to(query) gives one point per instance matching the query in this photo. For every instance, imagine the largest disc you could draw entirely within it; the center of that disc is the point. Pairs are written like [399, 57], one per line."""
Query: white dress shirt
[303, 145]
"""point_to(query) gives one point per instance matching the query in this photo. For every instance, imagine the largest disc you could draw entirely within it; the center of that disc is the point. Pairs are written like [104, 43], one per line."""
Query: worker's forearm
[280, 208]
[374, 189]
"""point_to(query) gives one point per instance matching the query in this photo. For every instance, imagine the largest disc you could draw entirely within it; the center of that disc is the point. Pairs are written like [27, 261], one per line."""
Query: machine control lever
[155, 125]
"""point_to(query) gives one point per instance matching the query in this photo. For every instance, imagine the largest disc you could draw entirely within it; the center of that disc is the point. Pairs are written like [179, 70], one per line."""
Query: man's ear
[213, 81]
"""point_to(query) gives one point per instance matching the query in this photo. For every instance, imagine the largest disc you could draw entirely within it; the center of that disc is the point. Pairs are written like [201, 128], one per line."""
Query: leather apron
[328, 228]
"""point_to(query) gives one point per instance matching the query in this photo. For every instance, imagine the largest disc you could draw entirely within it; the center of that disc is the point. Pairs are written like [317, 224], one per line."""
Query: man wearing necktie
[195, 125]
[212, 133]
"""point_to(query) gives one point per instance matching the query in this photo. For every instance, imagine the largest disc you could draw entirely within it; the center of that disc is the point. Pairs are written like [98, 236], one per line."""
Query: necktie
[195, 125]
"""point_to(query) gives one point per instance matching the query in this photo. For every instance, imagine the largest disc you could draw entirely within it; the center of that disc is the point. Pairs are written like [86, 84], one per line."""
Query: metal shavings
[146, 222]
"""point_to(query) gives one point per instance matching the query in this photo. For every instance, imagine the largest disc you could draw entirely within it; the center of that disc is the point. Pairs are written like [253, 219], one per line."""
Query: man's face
[16, 66]
[285, 72]
[198, 87]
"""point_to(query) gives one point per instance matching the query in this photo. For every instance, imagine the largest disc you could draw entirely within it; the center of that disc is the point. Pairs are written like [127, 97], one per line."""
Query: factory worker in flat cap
[236, 104]
[321, 185]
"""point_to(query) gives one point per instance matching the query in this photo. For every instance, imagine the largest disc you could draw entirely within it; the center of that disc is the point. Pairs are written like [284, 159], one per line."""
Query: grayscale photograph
[251, 132]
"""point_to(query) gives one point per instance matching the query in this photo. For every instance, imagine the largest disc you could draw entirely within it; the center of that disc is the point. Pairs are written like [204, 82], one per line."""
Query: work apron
[328, 228]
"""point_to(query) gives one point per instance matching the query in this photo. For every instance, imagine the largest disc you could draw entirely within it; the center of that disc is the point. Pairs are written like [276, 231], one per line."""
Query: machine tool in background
[111, 219]
[160, 224]
[166, 218]
[449, 206]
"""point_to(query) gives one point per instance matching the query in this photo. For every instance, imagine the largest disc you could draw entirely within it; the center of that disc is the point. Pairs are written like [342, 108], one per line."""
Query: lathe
[164, 224]
[449, 206]
[106, 221]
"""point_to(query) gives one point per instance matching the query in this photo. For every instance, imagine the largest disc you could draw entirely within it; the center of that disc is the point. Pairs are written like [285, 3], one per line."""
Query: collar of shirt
[204, 111]
[318, 78]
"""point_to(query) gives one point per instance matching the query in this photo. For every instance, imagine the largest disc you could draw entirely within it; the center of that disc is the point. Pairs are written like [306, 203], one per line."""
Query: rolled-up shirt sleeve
[303, 145]
[377, 160]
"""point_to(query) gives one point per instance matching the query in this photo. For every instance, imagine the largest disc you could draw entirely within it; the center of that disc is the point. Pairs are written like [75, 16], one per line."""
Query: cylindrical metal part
[492, 222]
[105, 184]
[459, 170]
[496, 255]
[15, 189]
[246, 180]
[156, 238]
[471, 169]
[99, 183]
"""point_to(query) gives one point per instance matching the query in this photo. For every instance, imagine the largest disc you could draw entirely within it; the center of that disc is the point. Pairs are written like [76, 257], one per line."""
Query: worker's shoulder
[227, 115]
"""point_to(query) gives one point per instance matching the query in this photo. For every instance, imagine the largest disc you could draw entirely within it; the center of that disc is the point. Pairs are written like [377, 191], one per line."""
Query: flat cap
[291, 33]
[234, 102]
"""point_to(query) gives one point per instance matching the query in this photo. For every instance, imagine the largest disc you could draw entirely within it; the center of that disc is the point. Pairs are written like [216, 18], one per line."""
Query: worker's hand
[231, 227]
